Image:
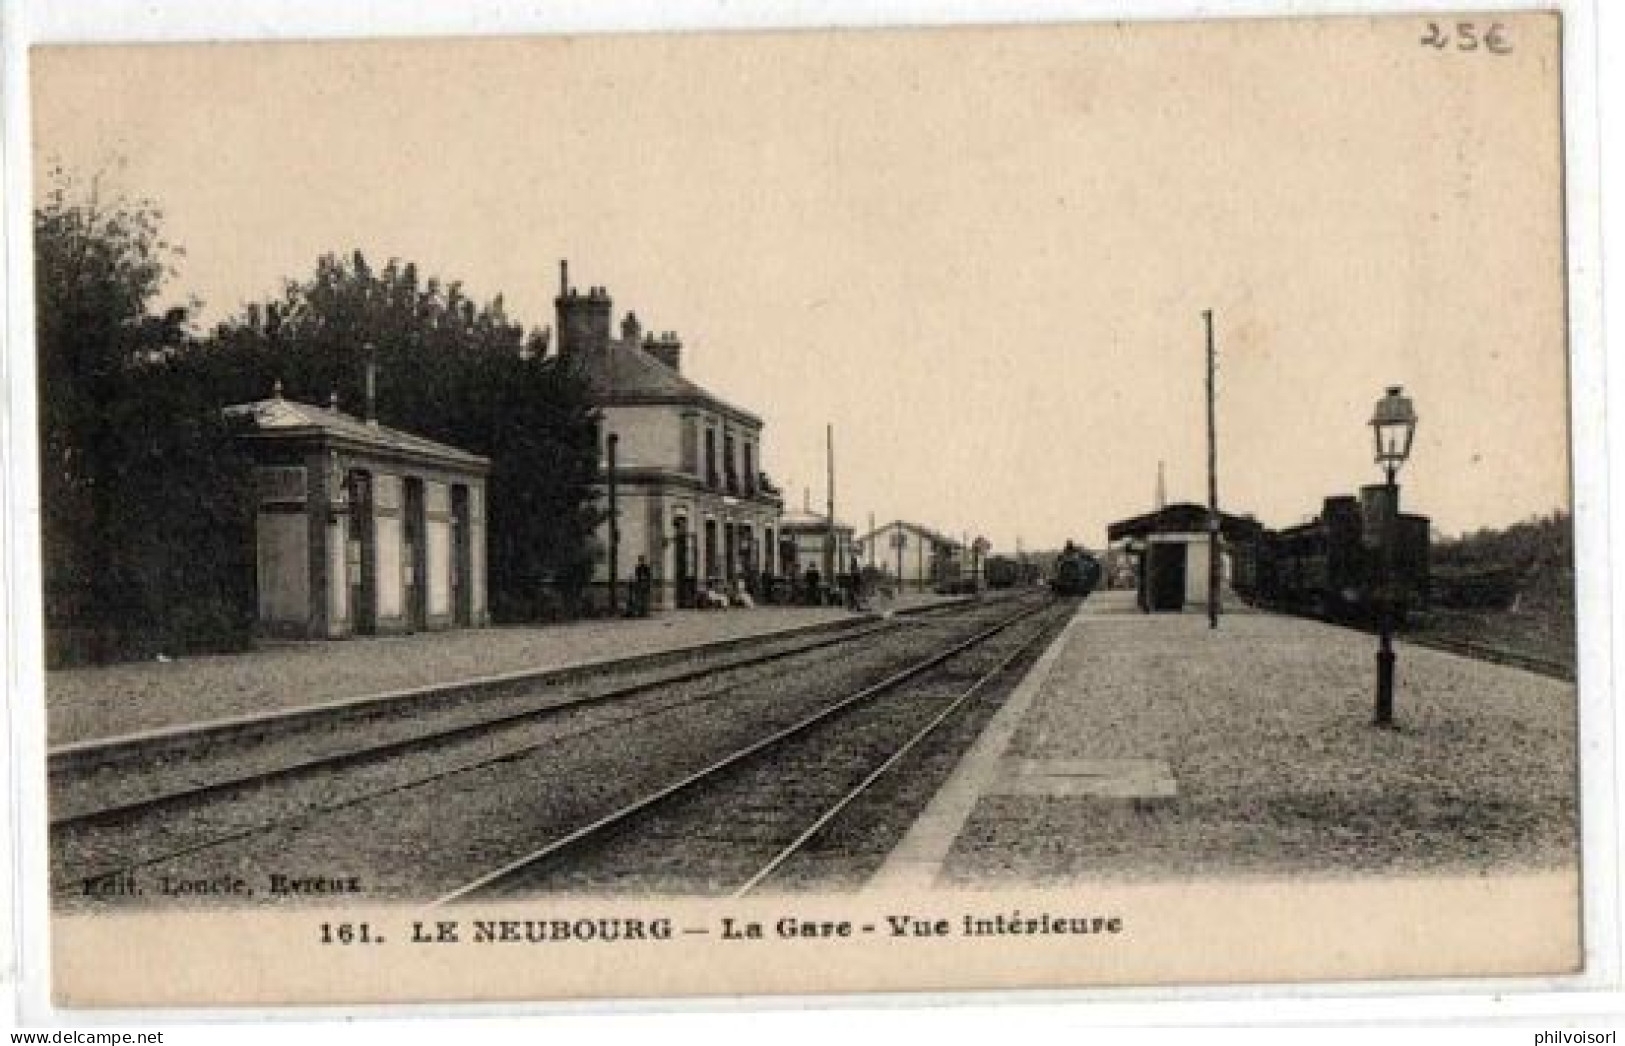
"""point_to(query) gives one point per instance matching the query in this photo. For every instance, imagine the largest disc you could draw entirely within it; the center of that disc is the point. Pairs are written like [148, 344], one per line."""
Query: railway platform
[88, 704]
[1143, 747]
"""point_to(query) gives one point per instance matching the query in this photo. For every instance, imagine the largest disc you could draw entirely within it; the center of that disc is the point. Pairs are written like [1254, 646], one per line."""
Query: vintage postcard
[638, 515]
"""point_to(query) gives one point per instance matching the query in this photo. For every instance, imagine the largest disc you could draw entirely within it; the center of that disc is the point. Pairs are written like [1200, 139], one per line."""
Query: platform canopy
[1182, 518]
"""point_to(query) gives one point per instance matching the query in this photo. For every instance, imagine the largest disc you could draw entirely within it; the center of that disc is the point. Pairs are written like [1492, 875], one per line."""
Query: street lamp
[747, 559]
[1393, 427]
[613, 442]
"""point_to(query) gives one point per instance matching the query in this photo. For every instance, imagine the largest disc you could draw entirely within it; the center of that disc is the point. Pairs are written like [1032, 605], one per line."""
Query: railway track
[1464, 647]
[186, 818]
[1495, 654]
[196, 764]
[736, 824]
[177, 741]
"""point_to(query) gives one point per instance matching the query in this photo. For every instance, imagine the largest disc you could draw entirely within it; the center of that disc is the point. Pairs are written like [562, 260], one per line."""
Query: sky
[981, 254]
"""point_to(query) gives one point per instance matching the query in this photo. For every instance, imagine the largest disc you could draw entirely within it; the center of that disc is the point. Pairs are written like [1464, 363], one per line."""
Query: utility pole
[1212, 485]
[372, 384]
[829, 505]
[614, 528]
[897, 543]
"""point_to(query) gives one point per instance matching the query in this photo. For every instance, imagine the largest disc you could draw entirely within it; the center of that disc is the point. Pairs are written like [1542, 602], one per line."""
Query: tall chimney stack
[372, 384]
[583, 320]
[667, 348]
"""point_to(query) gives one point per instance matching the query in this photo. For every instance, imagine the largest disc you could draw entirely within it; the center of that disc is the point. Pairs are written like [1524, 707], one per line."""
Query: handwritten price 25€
[1468, 36]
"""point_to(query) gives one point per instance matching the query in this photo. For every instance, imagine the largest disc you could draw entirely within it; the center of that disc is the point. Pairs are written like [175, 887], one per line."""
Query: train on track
[1332, 566]
[1008, 572]
[1076, 572]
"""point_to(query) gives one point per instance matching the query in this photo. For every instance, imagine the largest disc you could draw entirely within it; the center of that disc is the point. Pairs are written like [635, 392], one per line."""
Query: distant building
[919, 557]
[1117, 568]
[361, 528]
[806, 536]
[693, 499]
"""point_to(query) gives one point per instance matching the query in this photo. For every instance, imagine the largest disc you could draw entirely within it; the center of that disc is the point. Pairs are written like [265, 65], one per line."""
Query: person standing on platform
[642, 586]
[854, 586]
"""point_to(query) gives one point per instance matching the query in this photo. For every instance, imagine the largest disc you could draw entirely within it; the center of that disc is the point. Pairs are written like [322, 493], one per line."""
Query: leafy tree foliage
[144, 522]
[148, 539]
[451, 369]
[1537, 554]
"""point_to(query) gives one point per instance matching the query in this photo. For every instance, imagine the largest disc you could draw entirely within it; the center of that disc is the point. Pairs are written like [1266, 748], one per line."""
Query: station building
[692, 498]
[919, 557]
[1170, 552]
[362, 529]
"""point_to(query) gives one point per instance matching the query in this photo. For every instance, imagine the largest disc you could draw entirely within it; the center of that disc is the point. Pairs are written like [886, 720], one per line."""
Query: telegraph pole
[1212, 486]
[614, 529]
[829, 505]
[897, 543]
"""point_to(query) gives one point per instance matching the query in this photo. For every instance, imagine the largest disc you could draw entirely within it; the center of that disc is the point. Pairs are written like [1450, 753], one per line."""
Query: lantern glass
[1393, 427]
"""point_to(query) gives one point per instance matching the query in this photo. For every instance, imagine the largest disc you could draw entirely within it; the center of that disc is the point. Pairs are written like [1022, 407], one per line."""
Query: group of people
[850, 586]
[640, 599]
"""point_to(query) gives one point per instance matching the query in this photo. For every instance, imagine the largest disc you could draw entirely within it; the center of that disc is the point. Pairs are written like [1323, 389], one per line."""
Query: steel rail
[270, 824]
[447, 735]
[886, 767]
[98, 753]
[1489, 653]
[626, 812]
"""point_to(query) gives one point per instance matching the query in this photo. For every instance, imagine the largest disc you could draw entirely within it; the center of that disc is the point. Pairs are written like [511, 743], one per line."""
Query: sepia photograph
[676, 514]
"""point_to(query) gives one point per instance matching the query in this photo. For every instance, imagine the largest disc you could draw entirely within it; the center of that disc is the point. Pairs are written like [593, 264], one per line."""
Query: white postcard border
[1594, 427]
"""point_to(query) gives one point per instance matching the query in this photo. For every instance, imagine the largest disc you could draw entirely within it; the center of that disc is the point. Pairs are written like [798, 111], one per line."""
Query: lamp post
[613, 442]
[692, 582]
[1393, 427]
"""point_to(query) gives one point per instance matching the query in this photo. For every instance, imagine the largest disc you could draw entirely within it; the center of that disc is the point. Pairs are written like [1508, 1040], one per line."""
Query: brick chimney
[583, 319]
[631, 330]
[667, 348]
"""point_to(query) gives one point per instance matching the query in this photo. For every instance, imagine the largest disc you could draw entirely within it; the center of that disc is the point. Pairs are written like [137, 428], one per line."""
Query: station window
[691, 444]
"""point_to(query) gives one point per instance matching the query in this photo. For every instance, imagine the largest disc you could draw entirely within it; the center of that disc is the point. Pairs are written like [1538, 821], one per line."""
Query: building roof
[279, 418]
[806, 519]
[624, 374]
[934, 536]
[1180, 518]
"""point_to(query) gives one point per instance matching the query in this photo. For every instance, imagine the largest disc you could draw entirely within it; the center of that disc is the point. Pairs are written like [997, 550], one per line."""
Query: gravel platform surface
[85, 703]
[1264, 728]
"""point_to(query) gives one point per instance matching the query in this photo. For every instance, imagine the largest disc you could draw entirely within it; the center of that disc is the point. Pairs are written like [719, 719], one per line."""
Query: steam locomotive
[1333, 566]
[1076, 572]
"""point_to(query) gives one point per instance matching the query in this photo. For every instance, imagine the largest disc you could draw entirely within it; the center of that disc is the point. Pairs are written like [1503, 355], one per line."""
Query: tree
[144, 500]
[1536, 556]
[453, 370]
